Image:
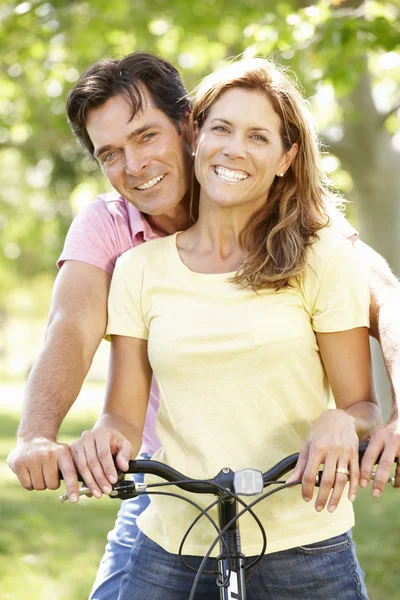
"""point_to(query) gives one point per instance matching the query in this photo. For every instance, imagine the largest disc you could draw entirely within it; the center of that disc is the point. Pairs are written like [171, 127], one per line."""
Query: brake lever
[119, 489]
[126, 489]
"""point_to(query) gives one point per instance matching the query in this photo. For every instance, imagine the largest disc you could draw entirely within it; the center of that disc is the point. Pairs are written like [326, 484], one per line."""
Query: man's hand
[385, 441]
[37, 463]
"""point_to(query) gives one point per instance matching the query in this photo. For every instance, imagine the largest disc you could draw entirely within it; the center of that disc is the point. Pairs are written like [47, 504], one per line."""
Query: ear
[189, 130]
[186, 129]
[195, 135]
[287, 160]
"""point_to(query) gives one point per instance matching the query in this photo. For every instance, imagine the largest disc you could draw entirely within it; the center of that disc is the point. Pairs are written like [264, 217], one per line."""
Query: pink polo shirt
[108, 227]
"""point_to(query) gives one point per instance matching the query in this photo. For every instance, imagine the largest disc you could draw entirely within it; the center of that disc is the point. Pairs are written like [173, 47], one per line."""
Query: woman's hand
[333, 442]
[94, 454]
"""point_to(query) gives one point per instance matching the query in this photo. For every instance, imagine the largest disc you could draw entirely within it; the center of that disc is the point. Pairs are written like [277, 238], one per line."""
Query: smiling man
[144, 157]
[131, 115]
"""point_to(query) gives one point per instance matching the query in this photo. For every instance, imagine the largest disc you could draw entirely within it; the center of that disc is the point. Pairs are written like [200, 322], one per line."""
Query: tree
[345, 53]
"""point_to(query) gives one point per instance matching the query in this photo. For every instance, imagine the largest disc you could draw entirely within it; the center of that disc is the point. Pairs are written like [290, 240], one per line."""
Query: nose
[135, 163]
[235, 148]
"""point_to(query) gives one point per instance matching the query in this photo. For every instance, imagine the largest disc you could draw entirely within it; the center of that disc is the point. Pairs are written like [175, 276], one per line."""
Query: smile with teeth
[151, 183]
[231, 176]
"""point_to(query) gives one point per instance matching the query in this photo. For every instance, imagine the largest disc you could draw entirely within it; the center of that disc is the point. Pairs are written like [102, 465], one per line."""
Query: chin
[156, 209]
[226, 202]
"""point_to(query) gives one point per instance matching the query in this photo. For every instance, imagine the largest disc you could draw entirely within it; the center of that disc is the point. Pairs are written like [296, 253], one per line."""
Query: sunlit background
[345, 54]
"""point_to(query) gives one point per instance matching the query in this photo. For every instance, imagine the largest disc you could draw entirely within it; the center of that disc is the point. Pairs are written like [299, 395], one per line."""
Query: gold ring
[343, 470]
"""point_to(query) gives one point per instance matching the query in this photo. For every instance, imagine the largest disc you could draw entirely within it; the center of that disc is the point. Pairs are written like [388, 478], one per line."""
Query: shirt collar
[140, 227]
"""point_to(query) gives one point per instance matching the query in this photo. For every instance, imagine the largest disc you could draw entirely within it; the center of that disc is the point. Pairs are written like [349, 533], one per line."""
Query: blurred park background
[345, 54]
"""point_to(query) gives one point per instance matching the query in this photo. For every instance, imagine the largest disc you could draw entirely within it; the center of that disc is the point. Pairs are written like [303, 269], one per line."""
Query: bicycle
[228, 486]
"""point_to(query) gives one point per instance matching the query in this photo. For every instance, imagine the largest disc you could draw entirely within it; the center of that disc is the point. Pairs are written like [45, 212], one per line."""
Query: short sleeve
[341, 224]
[92, 238]
[341, 296]
[125, 315]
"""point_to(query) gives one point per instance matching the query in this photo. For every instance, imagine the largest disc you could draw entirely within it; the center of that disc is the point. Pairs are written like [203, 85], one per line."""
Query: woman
[243, 318]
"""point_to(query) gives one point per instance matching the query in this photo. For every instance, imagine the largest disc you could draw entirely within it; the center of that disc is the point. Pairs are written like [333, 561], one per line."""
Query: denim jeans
[120, 542]
[326, 570]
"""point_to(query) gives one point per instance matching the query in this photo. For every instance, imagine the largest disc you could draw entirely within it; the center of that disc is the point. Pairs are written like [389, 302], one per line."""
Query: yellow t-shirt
[240, 378]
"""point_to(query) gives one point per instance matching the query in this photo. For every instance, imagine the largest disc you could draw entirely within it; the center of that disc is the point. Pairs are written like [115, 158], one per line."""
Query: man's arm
[76, 326]
[385, 327]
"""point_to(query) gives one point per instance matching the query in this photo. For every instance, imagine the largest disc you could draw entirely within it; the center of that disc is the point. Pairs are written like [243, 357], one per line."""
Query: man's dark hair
[128, 76]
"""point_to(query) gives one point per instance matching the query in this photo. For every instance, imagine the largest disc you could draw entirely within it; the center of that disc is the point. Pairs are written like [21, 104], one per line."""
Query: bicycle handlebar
[207, 486]
[225, 479]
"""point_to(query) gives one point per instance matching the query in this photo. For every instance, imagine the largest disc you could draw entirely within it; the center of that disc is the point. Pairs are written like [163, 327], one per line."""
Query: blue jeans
[326, 570]
[117, 552]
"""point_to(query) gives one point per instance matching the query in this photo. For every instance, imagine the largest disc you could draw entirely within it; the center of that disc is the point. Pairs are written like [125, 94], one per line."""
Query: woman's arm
[118, 431]
[333, 439]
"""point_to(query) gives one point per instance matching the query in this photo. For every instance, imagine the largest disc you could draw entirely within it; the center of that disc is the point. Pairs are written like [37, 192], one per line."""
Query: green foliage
[45, 45]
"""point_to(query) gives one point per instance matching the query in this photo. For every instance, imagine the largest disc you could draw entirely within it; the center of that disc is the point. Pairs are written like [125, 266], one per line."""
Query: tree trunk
[366, 152]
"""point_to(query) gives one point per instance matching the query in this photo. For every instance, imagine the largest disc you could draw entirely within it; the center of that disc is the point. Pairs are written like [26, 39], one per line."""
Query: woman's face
[239, 149]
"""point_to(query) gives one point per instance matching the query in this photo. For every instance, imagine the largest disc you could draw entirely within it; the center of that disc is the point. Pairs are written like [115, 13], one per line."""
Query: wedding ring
[343, 470]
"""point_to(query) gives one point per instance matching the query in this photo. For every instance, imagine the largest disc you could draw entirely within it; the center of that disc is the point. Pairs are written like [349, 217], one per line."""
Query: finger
[79, 457]
[36, 474]
[19, 468]
[383, 471]
[124, 455]
[92, 441]
[106, 461]
[24, 476]
[341, 480]
[397, 474]
[374, 449]
[301, 464]
[49, 462]
[29, 471]
[310, 476]
[354, 467]
[67, 468]
[328, 480]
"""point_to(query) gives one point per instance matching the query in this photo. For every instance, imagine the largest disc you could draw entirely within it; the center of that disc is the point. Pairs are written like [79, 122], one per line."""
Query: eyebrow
[254, 128]
[135, 133]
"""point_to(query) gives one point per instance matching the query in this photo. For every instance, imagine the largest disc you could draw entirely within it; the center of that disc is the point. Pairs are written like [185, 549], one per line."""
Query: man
[131, 115]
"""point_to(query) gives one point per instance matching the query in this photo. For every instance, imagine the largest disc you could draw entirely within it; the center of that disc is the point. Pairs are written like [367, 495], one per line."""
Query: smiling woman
[239, 153]
[246, 319]
[279, 137]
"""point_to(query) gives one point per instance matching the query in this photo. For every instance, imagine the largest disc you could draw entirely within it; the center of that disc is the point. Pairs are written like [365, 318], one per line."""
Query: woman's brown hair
[277, 236]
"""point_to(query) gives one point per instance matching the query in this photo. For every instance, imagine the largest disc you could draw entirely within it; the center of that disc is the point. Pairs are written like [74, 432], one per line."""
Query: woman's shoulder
[328, 242]
[149, 250]
[147, 257]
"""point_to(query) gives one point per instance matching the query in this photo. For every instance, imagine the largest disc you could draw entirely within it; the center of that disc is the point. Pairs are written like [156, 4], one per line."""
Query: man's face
[145, 158]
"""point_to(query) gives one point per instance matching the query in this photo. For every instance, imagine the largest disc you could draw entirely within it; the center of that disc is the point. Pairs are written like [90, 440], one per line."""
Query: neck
[223, 225]
[178, 219]
[213, 243]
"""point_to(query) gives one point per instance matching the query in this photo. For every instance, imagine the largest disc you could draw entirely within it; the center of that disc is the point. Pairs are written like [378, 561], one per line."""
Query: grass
[50, 551]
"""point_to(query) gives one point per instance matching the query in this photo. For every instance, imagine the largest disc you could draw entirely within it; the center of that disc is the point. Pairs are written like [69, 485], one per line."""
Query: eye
[107, 158]
[220, 129]
[259, 138]
[149, 136]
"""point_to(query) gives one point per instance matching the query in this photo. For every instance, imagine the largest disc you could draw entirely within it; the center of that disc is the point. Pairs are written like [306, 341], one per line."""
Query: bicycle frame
[234, 573]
